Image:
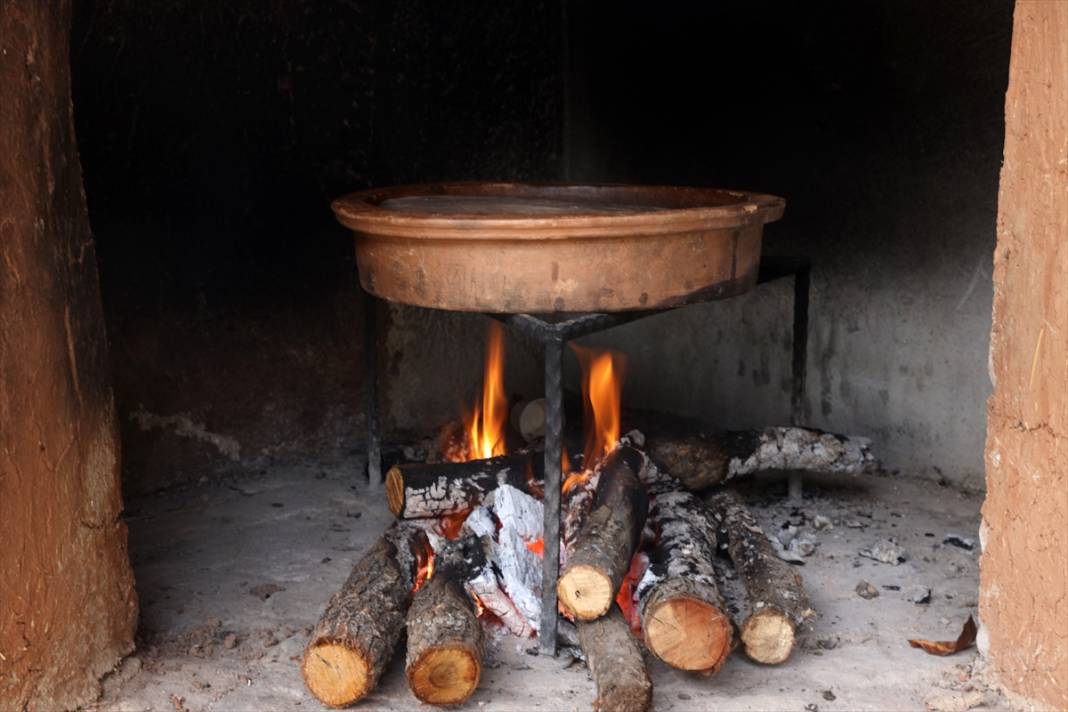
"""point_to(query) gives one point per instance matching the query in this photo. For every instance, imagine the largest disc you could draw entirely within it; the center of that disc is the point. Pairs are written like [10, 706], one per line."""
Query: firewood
[427, 490]
[616, 664]
[776, 597]
[600, 556]
[444, 661]
[702, 461]
[683, 616]
[355, 637]
[528, 418]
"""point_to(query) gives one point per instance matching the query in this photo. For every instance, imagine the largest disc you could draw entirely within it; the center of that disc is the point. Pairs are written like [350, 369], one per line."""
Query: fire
[602, 383]
[424, 566]
[575, 479]
[537, 547]
[485, 427]
[625, 597]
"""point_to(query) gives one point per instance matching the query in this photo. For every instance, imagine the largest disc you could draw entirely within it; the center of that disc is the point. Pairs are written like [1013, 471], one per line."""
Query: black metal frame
[551, 336]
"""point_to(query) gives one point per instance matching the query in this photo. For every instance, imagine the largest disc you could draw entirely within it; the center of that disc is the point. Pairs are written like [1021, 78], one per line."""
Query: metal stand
[551, 335]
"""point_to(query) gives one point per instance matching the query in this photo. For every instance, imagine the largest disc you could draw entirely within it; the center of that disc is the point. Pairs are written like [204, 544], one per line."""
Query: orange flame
[575, 479]
[485, 427]
[602, 383]
[424, 567]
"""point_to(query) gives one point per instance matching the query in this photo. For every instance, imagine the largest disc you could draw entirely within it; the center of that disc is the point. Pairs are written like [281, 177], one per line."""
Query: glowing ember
[602, 383]
[537, 547]
[451, 524]
[625, 597]
[484, 426]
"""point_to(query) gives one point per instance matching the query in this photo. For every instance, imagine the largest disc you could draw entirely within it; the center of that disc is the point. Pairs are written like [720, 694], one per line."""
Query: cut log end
[768, 636]
[688, 634]
[395, 490]
[445, 676]
[585, 592]
[338, 676]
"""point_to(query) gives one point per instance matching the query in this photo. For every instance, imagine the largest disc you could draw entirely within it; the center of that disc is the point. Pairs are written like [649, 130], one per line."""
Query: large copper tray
[511, 247]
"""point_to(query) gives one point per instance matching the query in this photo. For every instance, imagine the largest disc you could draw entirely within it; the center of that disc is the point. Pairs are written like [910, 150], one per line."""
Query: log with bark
[445, 642]
[616, 664]
[702, 461]
[684, 622]
[427, 490]
[776, 597]
[355, 637]
[600, 556]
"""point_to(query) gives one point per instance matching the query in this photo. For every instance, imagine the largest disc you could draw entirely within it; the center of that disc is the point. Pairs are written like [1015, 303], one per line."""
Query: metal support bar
[374, 442]
[554, 428]
[795, 483]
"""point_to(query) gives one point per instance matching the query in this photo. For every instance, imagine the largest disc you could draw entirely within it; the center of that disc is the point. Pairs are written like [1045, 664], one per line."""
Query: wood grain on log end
[445, 643]
[688, 634]
[336, 675]
[585, 592]
[395, 490]
[768, 636]
[445, 676]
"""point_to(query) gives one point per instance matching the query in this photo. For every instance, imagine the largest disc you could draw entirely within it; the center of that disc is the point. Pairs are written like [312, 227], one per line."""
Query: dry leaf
[948, 647]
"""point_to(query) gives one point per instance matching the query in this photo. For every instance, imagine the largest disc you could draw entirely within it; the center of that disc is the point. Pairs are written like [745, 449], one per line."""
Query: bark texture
[355, 637]
[616, 664]
[444, 661]
[1023, 597]
[775, 595]
[684, 622]
[425, 490]
[702, 461]
[600, 556]
[68, 602]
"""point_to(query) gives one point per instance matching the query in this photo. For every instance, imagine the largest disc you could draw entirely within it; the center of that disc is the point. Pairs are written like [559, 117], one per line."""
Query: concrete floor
[233, 573]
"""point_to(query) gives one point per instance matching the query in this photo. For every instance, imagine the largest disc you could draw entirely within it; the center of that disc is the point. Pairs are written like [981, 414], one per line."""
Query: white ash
[519, 511]
[800, 449]
[480, 522]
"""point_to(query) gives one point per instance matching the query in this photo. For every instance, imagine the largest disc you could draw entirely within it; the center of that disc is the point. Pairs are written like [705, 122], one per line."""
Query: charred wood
[702, 461]
[684, 622]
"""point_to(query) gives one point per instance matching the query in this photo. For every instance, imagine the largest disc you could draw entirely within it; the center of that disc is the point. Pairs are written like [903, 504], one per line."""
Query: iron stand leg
[374, 447]
[554, 420]
[800, 367]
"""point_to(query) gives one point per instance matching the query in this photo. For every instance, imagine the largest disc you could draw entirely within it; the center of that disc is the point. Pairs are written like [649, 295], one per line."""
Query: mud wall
[68, 605]
[1023, 601]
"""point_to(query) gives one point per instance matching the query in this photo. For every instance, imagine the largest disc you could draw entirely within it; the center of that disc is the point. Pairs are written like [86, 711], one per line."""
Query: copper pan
[540, 248]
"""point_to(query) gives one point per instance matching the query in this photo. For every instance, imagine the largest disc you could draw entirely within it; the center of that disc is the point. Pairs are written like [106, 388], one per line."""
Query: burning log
[601, 554]
[776, 597]
[700, 461]
[354, 639]
[683, 618]
[474, 567]
[427, 490]
[616, 664]
[444, 662]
